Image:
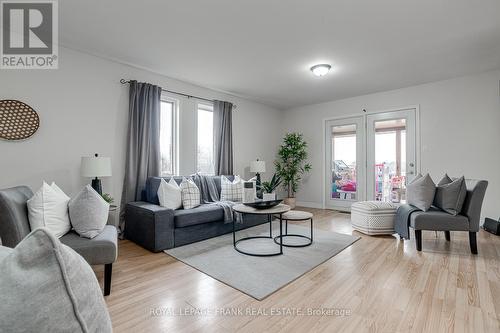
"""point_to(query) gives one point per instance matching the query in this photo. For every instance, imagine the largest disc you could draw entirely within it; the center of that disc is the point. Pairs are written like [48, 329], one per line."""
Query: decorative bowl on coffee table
[261, 204]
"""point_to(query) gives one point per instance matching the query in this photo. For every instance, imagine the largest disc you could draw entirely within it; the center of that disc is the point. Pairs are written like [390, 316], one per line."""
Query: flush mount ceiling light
[321, 69]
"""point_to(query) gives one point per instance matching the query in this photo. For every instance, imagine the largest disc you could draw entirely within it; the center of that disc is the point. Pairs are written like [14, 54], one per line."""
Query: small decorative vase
[269, 196]
[290, 202]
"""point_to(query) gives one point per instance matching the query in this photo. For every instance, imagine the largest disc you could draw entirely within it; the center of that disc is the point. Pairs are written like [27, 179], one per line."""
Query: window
[167, 137]
[205, 156]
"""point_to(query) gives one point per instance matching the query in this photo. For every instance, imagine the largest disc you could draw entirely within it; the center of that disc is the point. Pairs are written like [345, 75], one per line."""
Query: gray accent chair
[468, 219]
[14, 226]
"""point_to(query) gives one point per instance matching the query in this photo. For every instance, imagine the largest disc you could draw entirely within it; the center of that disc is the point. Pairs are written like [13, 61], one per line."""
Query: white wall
[83, 109]
[459, 123]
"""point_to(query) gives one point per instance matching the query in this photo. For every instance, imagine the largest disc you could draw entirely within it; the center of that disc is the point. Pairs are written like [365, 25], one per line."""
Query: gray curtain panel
[143, 157]
[223, 138]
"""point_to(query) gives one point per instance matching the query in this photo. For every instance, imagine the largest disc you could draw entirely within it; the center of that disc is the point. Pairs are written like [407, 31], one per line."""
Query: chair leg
[473, 242]
[418, 239]
[108, 269]
[447, 235]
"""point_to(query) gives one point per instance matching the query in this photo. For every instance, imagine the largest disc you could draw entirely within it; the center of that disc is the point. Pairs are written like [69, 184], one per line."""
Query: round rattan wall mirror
[18, 121]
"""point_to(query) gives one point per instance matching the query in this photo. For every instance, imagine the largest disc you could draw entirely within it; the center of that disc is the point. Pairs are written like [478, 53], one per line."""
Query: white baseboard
[312, 204]
[309, 204]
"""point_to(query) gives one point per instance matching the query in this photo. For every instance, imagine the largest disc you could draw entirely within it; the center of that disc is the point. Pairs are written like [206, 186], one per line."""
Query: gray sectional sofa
[157, 228]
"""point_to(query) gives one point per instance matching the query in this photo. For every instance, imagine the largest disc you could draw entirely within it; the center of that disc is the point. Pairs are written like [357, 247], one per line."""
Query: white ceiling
[262, 49]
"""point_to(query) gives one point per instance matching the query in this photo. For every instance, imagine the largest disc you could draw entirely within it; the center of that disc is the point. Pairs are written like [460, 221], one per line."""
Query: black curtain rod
[123, 81]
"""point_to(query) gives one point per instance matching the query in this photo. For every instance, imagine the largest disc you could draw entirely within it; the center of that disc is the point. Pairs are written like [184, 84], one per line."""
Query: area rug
[259, 277]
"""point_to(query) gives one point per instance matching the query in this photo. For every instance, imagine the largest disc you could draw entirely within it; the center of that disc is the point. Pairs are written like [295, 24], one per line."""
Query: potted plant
[269, 187]
[291, 164]
[108, 198]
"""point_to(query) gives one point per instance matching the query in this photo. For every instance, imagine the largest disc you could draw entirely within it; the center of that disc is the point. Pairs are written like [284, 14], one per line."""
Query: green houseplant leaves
[291, 163]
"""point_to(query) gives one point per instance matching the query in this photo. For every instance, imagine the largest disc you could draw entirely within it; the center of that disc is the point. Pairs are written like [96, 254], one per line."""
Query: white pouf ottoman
[373, 217]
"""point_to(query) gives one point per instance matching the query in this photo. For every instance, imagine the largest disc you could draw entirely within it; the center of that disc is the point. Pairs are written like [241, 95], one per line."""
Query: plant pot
[268, 196]
[290, 202]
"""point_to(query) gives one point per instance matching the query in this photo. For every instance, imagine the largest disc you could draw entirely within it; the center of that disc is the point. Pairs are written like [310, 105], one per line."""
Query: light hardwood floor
[385, 283]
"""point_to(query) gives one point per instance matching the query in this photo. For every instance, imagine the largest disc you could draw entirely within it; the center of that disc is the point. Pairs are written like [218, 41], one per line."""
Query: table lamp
[95, 167]
[258, 167]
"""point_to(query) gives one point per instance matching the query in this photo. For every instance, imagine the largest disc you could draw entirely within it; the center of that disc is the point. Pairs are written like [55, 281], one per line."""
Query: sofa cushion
[88, 212]
[48, 287]
[4, 252]
[170, 194]
[48, 208]
[99, 250]
[190, 194]
[420, 192]
[450, 194]
[201, 214]
[436, 219]
[231, 190]
[150, 193]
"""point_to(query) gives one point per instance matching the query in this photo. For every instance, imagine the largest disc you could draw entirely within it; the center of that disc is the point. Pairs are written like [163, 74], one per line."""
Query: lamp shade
[96, 166]
[258, 166]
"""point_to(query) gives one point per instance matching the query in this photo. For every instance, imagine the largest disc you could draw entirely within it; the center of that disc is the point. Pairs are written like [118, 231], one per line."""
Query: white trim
[176, 137]
[175, 130]
[323, 168]
[418, 141]
[416, 106]
[203, 106]
[309, 204]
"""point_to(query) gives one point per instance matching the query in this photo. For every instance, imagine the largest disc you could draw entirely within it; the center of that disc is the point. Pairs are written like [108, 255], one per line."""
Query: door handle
[411, 164]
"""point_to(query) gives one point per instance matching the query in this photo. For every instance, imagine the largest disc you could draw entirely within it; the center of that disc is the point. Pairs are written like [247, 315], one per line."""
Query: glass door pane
[390, 162]
[391, 154]
[345, 171]
[343, 164]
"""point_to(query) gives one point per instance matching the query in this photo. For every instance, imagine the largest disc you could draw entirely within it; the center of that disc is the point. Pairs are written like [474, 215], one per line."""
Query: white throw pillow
[170, 194]
[190, 194]
[49, 208]
[88, 212]
[231, 190]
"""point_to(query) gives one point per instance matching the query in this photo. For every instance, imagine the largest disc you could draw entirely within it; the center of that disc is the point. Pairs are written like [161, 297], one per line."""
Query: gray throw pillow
[48, 287]
[420, 192]
[450, 194]
[88, 212]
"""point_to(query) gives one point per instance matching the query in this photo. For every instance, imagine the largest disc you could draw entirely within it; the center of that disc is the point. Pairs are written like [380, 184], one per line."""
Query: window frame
[175, 130]
[204, 106]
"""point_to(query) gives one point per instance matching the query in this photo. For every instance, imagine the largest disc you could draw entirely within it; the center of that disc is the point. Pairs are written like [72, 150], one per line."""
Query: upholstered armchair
[468, 219]
[14, 226]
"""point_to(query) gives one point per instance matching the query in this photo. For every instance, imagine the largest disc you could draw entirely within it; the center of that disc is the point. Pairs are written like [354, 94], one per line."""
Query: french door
[370, 157]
